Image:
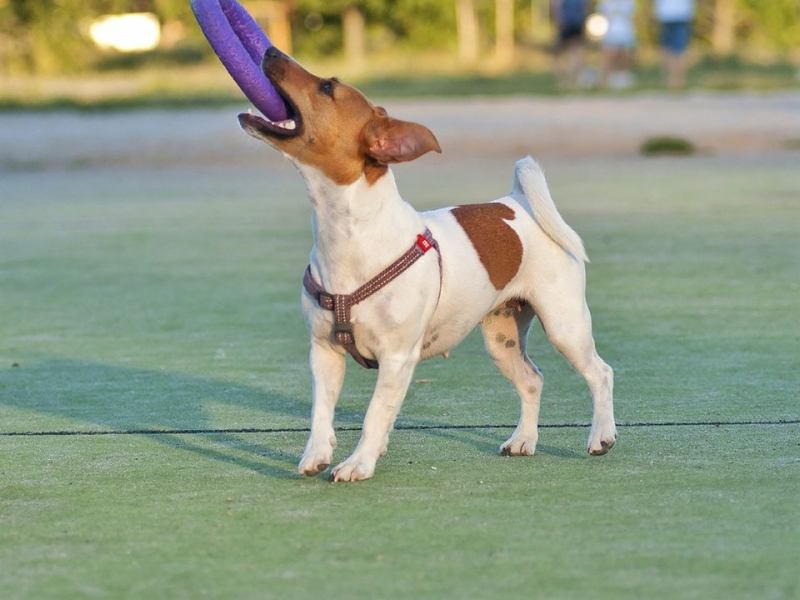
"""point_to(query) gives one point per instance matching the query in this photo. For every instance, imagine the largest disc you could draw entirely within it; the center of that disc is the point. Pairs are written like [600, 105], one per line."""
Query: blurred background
[94, 52]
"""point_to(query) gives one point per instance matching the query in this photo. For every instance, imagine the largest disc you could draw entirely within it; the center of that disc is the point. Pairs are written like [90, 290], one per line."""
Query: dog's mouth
[261, 126]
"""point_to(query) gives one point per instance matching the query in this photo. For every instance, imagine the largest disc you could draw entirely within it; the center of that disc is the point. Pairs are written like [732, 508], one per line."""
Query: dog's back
[529, 188]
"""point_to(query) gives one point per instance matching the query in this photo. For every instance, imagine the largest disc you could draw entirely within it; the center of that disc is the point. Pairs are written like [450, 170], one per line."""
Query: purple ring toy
[240, 45]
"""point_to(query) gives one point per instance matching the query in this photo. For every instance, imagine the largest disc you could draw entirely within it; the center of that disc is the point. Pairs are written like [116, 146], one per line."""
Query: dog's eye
[326, 87]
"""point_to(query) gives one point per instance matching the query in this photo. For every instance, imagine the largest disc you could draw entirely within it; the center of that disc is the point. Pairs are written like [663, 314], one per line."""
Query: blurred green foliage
[51, 36]
[774, 23]
[407, 24]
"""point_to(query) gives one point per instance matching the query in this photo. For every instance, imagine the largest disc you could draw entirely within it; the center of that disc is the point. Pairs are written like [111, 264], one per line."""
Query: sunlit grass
[168, 299]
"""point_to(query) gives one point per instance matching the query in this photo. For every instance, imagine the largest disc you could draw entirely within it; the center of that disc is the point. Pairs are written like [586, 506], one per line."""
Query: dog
[499, 264]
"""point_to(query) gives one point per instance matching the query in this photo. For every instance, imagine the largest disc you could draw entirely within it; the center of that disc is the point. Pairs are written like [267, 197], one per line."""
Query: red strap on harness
[341, 304]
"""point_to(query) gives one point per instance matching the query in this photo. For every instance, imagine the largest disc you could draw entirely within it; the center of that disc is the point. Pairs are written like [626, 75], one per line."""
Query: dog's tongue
[240, 44]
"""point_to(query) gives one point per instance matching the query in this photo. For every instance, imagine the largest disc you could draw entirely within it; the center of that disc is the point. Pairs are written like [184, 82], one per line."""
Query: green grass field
[180, 86]
[162, 305]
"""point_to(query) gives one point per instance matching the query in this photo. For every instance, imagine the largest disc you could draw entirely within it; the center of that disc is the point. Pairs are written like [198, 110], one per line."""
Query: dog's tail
[529, 182]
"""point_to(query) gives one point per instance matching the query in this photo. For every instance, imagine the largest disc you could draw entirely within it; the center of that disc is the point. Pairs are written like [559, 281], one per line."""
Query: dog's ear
[389, 140]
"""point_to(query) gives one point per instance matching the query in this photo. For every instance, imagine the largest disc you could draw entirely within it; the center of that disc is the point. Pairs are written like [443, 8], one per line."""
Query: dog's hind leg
[327, 370]
[568, 325]
[505, 334]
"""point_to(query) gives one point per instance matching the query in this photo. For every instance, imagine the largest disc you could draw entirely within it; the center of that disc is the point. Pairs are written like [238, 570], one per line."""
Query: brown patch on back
[497, 244]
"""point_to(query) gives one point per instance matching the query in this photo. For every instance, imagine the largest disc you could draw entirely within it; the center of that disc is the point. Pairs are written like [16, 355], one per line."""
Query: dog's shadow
[486, 440]
[71, 397]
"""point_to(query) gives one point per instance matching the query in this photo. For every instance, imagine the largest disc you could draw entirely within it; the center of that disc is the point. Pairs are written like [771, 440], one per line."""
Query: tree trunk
[723, 36]
[467, 25]
[355, 39]
[504, 31]
[274, 16]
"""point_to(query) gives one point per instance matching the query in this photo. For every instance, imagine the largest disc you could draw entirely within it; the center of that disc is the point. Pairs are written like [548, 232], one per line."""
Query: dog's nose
[272, 52]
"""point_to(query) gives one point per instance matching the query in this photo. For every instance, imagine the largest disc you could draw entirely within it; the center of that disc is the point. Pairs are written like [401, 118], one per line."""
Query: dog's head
[332, 127]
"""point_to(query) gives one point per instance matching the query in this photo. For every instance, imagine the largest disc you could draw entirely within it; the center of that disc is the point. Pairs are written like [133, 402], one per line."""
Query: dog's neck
[358, 228]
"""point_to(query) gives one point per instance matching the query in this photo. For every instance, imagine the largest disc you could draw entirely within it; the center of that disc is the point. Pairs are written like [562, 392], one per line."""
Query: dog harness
[341, 304]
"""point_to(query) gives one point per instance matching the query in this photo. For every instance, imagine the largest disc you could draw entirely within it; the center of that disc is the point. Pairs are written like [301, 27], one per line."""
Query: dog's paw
[518, 445]
[601, 440]
[317, 457]
[353, 469]
[310, 468]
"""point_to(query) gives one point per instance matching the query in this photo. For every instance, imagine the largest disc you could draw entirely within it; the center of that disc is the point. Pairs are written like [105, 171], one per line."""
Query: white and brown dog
[500, 264]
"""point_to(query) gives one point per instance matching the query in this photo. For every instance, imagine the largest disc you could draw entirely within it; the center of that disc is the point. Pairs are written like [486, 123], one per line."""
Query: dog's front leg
[327, 371]
[394, 378]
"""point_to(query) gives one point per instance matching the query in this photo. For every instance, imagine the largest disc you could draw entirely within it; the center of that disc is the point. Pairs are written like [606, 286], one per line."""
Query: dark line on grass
[56, 433]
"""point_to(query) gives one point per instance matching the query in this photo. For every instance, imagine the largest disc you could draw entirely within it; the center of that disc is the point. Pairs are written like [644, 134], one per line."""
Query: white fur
[360, 228]
[530, 189]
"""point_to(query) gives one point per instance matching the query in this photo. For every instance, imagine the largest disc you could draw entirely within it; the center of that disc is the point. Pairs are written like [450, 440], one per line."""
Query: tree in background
[749, 27]
[769, 24]
[49, 36]
[723, 34]
[41, 36]
[358, 27]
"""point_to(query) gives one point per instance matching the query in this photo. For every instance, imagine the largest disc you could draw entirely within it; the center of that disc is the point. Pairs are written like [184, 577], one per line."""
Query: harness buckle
[423, 243]
[342, 327]
[325, 300]
[343, 332]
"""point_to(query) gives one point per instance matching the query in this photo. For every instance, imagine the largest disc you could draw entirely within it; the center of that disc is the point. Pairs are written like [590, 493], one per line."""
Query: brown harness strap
[341, 304]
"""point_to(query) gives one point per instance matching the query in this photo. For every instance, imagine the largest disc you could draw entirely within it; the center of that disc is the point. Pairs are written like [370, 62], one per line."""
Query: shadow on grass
[280, 466]
[77, 397]
[68, 396]
[487, 441]
[560, 452]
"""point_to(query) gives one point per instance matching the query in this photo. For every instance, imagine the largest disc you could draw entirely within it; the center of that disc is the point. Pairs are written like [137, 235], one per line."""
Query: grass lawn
[162, 305]
[164, 85]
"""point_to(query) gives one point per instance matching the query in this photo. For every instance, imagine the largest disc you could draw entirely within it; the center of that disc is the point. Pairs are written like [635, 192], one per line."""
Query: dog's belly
[460, 309]
[440, 339]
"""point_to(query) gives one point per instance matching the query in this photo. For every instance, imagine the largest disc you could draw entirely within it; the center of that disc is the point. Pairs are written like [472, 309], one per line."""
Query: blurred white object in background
[129, 32]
